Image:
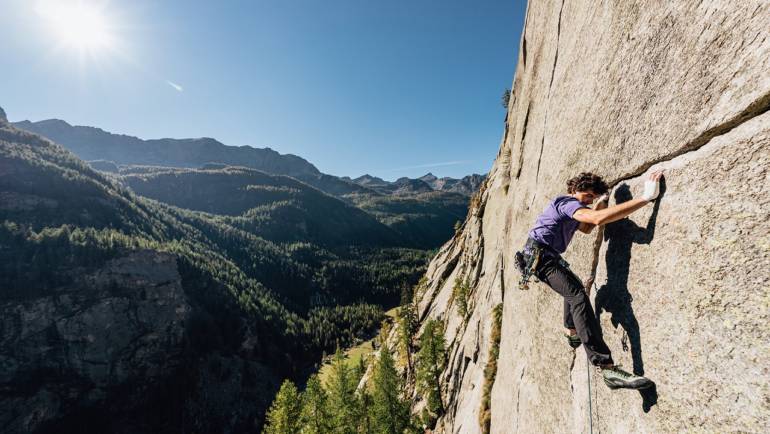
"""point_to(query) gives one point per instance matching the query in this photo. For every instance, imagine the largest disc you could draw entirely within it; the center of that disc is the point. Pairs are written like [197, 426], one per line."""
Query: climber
[541, 257]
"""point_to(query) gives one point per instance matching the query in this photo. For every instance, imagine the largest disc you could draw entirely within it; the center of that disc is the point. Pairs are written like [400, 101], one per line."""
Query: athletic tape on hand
[651, 190]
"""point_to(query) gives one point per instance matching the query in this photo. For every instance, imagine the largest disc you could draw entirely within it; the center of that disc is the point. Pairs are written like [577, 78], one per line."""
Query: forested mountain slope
[125, 314]
[420, 212]
[425, 219]
[277, 208]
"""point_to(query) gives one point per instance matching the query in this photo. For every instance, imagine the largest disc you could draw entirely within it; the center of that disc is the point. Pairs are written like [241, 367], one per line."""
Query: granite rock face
[682, 287]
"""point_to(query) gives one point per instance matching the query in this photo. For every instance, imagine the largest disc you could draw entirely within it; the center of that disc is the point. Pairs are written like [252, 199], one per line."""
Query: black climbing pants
[578, 313]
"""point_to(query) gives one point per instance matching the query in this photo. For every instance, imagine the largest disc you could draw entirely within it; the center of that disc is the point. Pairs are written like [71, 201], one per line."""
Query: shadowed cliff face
[119, 327]
[111, 353]
[621, 89]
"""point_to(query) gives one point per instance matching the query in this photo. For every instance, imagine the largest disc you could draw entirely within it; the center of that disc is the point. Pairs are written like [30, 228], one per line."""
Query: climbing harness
[527, 265]
[528, 261]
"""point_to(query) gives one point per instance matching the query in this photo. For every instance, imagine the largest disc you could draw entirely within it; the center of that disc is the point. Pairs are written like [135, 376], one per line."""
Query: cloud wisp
[176, 87]
[429, 165]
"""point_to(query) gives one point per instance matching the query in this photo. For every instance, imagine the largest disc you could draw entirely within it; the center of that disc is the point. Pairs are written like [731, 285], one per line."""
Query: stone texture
[621, 88]
[123, 323]
[688, 282]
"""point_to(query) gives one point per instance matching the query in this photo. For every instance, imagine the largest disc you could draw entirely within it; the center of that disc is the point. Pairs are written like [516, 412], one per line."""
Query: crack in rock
[757, 108]
[523, 138]
[556, 56]
[753, 110]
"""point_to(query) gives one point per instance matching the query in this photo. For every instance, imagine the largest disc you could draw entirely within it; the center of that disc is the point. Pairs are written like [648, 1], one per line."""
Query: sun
[78, 25]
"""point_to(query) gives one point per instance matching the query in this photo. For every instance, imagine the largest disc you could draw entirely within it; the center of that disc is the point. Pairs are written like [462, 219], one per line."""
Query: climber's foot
[616, 378]
[572, 340]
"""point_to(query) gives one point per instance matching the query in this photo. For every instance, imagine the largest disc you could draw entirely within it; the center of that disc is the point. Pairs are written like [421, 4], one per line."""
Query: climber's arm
[617, 212]
[608, 215]
[587, 228]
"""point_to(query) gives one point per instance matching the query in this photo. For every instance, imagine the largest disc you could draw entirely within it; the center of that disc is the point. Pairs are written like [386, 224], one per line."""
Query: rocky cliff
[111, 353]
[682, 287]
[122, 324]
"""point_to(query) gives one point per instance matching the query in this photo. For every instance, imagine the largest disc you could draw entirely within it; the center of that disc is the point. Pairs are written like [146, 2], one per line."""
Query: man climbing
[549, 238]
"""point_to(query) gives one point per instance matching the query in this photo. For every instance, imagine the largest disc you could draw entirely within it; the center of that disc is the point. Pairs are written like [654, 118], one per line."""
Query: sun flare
[78, 25]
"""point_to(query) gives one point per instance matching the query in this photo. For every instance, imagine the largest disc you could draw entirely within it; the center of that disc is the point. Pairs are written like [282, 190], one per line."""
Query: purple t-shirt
[555, 226]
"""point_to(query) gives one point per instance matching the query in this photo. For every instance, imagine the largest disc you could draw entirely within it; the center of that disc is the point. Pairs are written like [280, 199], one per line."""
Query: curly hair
[587, 181]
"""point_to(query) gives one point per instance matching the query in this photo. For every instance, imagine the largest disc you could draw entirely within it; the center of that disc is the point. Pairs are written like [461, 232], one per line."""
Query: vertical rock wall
[682, 287]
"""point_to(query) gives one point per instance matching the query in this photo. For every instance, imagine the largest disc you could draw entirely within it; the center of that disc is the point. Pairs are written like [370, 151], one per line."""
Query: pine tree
[407, 325]
[365, 403]
[505, 98]
[430, 363]
[343, 402]
[315, 417]
[490, 371]
[390, 413]
[284, 414]
[460, 295]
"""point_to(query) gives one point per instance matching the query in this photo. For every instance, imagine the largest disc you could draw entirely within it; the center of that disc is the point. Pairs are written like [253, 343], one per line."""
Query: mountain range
[419, 213]
[428, 182]
[95, 144]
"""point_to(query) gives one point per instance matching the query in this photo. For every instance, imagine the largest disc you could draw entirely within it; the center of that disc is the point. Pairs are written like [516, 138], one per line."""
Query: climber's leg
[573, 340]
[563, 281]
[569, 324]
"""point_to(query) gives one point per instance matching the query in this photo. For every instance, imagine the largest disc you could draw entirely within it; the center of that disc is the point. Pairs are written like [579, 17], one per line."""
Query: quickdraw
[528, 263]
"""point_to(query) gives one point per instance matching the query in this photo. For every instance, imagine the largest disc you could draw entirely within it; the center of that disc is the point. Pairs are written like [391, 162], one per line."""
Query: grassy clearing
[353, 354]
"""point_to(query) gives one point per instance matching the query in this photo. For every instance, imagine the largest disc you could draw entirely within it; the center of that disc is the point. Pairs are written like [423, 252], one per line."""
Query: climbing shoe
[573, 340]
[616, 378]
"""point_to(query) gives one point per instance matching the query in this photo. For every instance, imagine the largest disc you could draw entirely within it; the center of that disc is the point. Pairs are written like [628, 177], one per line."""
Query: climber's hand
[652, 186]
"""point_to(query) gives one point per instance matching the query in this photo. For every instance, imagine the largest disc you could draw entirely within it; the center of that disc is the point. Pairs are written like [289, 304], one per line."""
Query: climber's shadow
[614, 297]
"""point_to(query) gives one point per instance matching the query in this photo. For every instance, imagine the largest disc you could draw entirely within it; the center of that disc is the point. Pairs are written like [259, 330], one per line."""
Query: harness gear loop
[528, 263]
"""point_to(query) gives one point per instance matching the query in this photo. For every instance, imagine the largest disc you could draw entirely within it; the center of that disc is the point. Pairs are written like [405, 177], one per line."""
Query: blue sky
[391, 88]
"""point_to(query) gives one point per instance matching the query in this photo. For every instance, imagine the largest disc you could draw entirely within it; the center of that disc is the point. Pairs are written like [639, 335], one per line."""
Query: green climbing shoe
[616, 378]
[573, 340]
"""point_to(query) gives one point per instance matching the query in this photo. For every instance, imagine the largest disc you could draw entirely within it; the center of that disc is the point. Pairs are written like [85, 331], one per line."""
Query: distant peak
[3, 117]
[367, 177]
[53, 122]
[428, 177]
